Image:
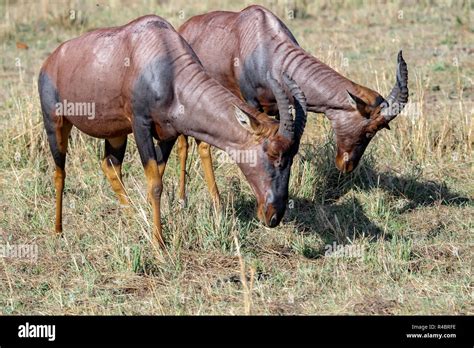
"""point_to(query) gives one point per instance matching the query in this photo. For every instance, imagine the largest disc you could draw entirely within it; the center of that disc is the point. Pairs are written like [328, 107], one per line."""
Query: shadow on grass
[334, 222]
[330, 184]
[338, 218]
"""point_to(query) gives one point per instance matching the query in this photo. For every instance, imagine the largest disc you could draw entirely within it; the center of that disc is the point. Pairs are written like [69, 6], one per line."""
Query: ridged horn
[286, 128]
[300, 106]
[398, 97]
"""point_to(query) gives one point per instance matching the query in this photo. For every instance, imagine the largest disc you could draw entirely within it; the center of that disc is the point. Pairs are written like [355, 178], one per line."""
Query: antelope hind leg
[112, 167]
[204, 151]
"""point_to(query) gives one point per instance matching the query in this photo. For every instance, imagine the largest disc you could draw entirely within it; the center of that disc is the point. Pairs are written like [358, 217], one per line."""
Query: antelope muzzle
[271, 212]
[346, 162]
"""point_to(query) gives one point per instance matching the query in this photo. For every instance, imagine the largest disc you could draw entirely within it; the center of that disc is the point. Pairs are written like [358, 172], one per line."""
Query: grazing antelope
[144, 78]
[238, 48]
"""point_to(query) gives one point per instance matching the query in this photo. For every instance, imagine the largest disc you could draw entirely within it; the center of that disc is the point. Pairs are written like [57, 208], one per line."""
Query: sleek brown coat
[240, 48]
[144, 78]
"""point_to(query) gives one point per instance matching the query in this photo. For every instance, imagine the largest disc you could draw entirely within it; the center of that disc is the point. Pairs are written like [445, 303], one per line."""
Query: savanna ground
[407, 208]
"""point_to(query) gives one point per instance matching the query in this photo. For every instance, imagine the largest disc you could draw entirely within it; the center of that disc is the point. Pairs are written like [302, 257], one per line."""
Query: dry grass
[408, 206]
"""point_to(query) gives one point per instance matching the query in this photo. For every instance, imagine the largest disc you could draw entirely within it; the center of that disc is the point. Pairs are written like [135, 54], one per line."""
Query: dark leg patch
[49, 96]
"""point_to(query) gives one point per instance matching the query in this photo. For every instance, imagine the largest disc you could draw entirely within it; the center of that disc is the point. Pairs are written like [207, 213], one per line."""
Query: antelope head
[275, 144]
[366, 114]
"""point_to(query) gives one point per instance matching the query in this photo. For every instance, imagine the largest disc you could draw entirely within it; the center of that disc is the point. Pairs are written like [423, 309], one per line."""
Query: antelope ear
[245, 120]
[359, 103]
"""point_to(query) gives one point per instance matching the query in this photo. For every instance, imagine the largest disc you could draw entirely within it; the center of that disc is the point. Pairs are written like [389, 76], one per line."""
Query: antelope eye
[369, 135]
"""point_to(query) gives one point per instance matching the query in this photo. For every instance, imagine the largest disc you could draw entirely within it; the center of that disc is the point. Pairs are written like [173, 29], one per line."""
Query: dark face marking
[279, 171]
[270, 178]
[354, 134]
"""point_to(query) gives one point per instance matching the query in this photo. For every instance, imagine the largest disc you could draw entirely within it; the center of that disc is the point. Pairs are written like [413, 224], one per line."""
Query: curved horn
[398, 97]
[286, 128]
[300, 106]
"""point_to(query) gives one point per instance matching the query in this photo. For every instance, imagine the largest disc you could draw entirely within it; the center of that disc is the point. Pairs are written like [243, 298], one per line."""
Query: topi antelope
[239, 48]
[144, 78]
